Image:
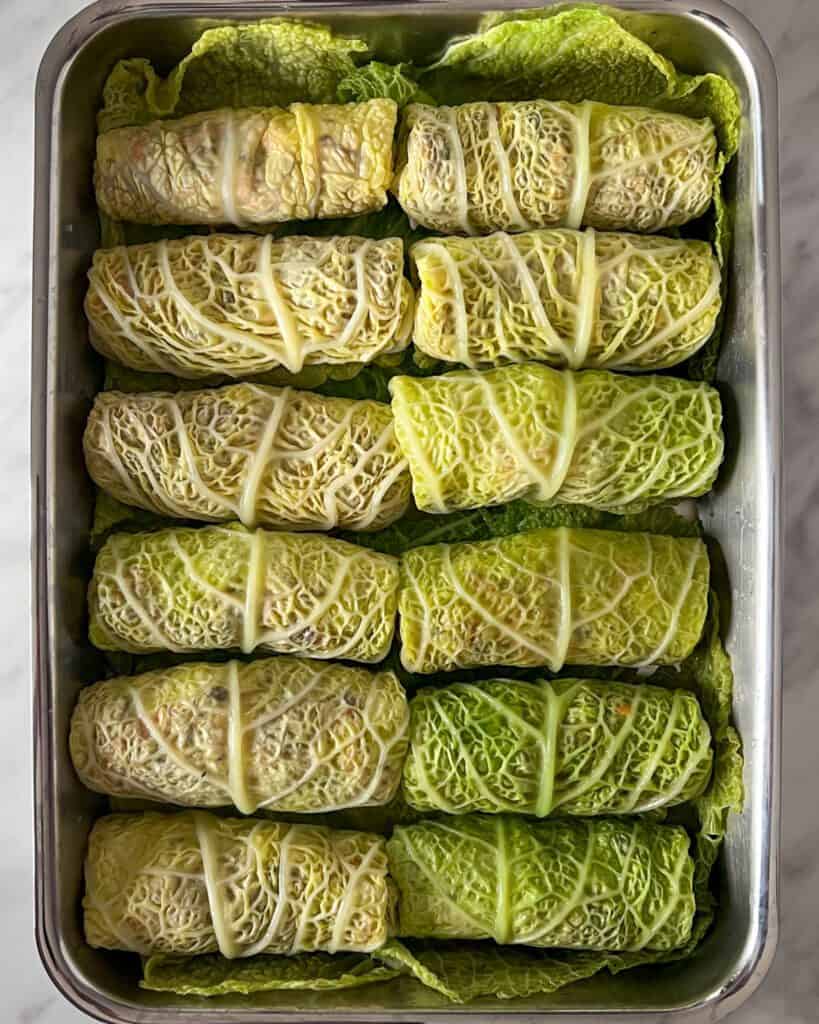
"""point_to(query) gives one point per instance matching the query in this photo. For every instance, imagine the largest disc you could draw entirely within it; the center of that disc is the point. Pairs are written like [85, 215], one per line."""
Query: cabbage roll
[193, 883]
[241, 305]
[261, 165]
[284, 734]
[572, 746]
[553, 597]
[268, 456]
[568, 298]
[483, 167]
[612, 442]
[607, 885]
[224, 588]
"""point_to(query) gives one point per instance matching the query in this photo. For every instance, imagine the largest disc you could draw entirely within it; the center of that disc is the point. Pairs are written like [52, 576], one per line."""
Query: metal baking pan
[742, 514]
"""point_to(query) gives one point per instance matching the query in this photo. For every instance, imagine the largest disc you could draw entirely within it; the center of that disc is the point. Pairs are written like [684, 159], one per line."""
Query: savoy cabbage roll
[260, 165]
[553, 597]
[571, 746]
[262, 455]
[605, 440]
[240, 305]
[192, 883]
[482, 167]
[283, 734]
[594, 884]
[568, 298]
[228, 588]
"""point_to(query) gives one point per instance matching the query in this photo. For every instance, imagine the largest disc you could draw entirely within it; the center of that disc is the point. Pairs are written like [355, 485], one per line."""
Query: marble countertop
[790, 995]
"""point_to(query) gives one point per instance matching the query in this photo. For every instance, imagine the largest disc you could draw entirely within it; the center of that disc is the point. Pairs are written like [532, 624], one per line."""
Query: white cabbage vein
[191, 883]
[262, 455]
[574, 884]
[249, 167]
[243, 304]
[225, 588]
[567, 298]
[284, 734]
[571, 746]
[552, 597]
[608, 441]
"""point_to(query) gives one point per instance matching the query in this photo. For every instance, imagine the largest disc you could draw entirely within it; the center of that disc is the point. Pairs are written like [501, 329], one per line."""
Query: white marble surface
[791, 993]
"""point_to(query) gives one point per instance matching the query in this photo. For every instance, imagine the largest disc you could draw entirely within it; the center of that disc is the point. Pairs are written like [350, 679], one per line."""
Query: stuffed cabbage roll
[245, 167]
[483, 167]
[193, 883]
[271, 456]
[553, 597]
[224, 587]
[607, 885]
[241, 305]
[284, 734]
[572, 746]
[594, 438]
[568, 298]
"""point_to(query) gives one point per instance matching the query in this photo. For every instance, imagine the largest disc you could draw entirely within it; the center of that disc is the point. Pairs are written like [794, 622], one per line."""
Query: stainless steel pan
[743, 513]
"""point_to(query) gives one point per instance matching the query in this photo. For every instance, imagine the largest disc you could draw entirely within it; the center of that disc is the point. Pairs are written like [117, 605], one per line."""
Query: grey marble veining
[791, 993]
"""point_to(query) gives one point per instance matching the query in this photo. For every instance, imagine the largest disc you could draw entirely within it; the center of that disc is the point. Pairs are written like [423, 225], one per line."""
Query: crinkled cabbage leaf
[553, 597]
[465, 971]
[568, 298]
[379, 80]
[599, 439]
[574, 884]
[242, 305]
[213, 975]
[251, 166]
[572, 746]
[193, 883]
[482, 167]
[281, 734]
[271, 62]
[224, 587]
[423, 529]
[261, 455]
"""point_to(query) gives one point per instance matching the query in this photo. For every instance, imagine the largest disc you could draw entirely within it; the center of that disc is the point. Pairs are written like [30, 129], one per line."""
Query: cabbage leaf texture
[483, 167]
[604, 440]
[572, 746]
[241, 305]
[568, 298]
[213, 975]
[597, 884]
[225, 588]
[281, 734]
[248, 167]
[193, 883]
[264, 456]
[553, 597]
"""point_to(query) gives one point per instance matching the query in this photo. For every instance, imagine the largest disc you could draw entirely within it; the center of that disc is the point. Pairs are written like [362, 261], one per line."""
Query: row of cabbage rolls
[301, 733]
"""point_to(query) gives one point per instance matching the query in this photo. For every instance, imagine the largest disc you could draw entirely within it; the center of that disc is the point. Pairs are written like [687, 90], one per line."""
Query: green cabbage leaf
[572, 746]
[250, 166]
[243, 305]
[535, 163]
[282, 734]
[598, 439]
[227, 588]
[553, 597]
[567, 298]
[598, 884]
[214, 975]
[266, 63]
[260, 455]
[192, 883]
